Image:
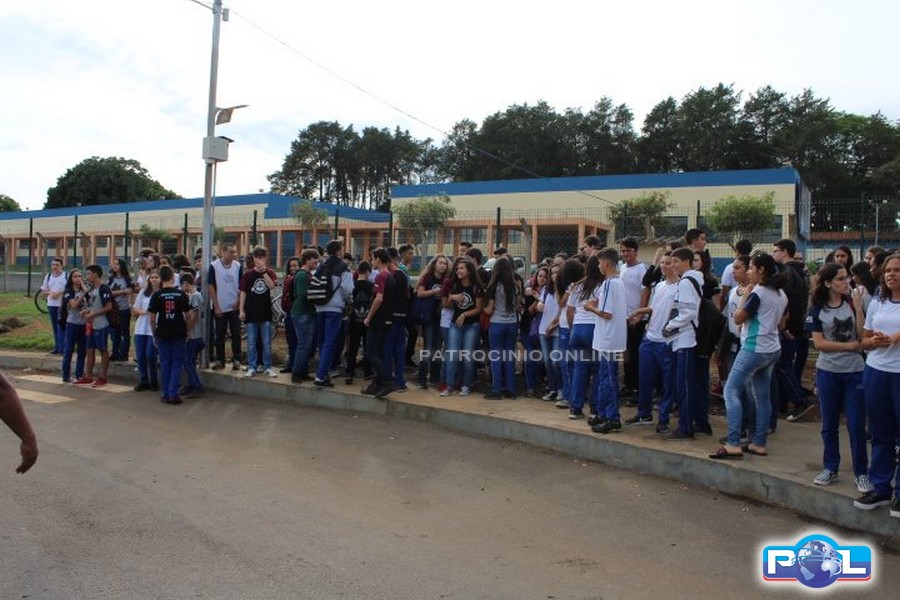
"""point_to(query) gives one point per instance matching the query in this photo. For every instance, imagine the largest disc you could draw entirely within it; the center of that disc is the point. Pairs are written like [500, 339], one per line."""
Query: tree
[147, 235]
[644, 213]
[422, 216]
[706, 122]
[308, 215]
[742, 216]
[105, 181]
[659, 138]
[7, 204]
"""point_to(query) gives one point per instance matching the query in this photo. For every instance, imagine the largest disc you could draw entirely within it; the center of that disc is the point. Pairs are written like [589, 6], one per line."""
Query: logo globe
[819, 564]
[817, 561]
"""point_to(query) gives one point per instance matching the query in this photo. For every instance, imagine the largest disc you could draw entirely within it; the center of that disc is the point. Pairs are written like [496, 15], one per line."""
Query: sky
[131, 79]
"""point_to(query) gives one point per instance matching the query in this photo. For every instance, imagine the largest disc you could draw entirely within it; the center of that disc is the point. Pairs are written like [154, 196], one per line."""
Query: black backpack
[711, 324]
[321, 286]
[363, 294]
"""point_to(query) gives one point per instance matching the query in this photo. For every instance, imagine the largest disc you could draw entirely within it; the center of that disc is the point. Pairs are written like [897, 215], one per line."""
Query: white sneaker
[271, 372]
[549, 396]
[863, 485]
[446, 392]
[249, 373]
[825, 477]
[465, 390]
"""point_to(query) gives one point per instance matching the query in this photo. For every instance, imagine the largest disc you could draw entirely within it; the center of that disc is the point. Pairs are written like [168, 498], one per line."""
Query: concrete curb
[738, 478]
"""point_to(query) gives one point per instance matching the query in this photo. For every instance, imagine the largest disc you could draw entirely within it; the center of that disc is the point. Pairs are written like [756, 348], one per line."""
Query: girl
[731, 339]
[881, 385]
[843, 256]
[287, 301]
[121, 286]
[572, 272]
[586, 372]
[760, 312]
[73, 298]
[445, 322]
[465, 296]
[429, 290]
[865, 283]
[503, 300]
[836, 326]
[529, 322]
[144, 347]
[547, 310]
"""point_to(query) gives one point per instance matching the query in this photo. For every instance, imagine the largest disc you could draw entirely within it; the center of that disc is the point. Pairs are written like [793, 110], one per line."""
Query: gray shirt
[836, 324]
[501, 313]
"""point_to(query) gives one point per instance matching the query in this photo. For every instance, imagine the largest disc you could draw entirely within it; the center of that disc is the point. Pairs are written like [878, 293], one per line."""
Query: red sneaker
[83, 381]
[99, 382]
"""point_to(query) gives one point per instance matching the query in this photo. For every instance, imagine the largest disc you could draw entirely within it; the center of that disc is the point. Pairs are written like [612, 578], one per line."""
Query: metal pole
[497, 230]
[208, 202]
[127, 241]
[391, 229]
[184, 231]
[877, 206]
[862, 225]
[253, 239]
[337, 217]
[30, 251]
[75, 244]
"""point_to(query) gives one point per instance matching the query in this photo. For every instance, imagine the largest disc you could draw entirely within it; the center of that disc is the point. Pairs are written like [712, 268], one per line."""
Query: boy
[256, 311]
[363, 294]
[195, 343]
[610, 338]
[168, 305]
[379, 322]
[680, 334]
[96, 332]
[303, 315]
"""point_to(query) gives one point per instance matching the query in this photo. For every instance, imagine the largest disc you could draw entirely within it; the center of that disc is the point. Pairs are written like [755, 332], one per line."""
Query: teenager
[632, 277]
[363, 295]
[881, 385]
[98, 302]
[144, 346]
[121, 286]
[303, 315]
[74, 298]
[796, 286]
[287, 302]
[502, 304]
[731, 340]
[378, 323]
[465, 295]
[255, 309]
[329, 316]
[53, 286]
[167, 309]
[586, 369]
[428, 307]
[572, 272]
[547, 314]
[223, 283]
[195, 343]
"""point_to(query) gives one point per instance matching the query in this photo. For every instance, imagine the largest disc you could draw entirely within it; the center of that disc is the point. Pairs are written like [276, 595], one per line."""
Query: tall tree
[657, 147]
[706, 122]
[105, 181]
[7, 204]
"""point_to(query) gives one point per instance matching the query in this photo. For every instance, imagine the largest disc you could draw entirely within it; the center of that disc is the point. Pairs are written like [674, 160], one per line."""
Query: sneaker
[319, 383]
[895, 508]
[142, 387]
[609, 426]
[217, 366]
[509, 396]
[400, 389]
[703, 429]
[662, 428]
[299, 378]
[236, 366]
[260, 369]
[175, 400]
[348, 381]
[445, 392]
[194, 393]
[800, 412]
[83, 381]
[575, 414]
[678, 436]
[369, 390]
[561, 403]
[99, 382]
[334, 373]
[465, 390]
[872, 500]
[595, 419]
[826, 477]
[271, 372]
[249, 373]
[493, 396]
[863, 485]
[639, 420]
[387, 389]
[286, 369]
[422, 385]
[549, 396]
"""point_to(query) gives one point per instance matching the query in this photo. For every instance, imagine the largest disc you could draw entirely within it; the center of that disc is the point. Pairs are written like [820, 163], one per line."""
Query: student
[654, 353]
[586, 369]
[760, 312]
[609, 303]
[303, 316]
[73, 298]
[397, 337]
[445, 324]
[632, 277]
[836, 324]
[363, 295]
[97, 304]
[223, 284]
[53, 287]
[428, 298]
[680, 335]
[881, 385]
[741, 248]
[572, 272]
[168, 306]
[195, 343]
[121, 286]
[378, 323]
[329, 315]
[144, 346]
[287, 302]
[465, 295]
[731, 340]
[502, 304]
[255, 308]
[547, 310]
[790, 390]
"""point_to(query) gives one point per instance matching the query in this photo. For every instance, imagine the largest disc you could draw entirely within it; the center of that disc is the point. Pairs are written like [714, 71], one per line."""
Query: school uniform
[655, 355]
[610, 340]
[169, 306]
[682, 338]
[585, 367]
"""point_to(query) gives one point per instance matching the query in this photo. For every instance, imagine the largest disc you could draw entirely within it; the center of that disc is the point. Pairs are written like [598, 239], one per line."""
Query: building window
[24, 244]
[474, 235]
[515, 236]
[102, 242]
[50, 243]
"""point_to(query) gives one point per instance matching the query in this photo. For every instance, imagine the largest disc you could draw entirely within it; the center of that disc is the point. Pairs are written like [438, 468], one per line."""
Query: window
[473, 235]
[50, 243]
[24, 244]
[102, 242]
[515, 236]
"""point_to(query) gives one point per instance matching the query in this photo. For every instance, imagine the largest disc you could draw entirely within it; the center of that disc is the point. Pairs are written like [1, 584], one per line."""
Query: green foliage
[308, 215]
[105, 181]
[643, 214]
[151, 234]
[7, 204]
[742, 216]
[423, 215]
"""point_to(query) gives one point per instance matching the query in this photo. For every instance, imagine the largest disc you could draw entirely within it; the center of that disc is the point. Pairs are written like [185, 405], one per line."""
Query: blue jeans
[305, 330]
[503, 364]
[701, 414]
[290, 335]
[531, 364]
[191, 350]
[445, 338]
[121, 335]
[789, 389]
[396, 351]
[586, 368]
[843, 391]
[59, 333]
[145, 351]
[259, 332]
[328, 328]
[608, 386]
[550, 345]
[685, 367]
[73, 342]
[431, 343]
[882, 391]
[171, 359]
[565, 365]
[751, 371]
[462, 339]
[656, 364]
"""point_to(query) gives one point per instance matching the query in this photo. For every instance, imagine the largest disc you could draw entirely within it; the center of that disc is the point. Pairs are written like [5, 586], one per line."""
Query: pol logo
[817, 561]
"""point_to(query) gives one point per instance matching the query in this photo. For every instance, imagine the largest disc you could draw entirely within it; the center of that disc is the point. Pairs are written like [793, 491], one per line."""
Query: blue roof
[277, 207]
[603, 182]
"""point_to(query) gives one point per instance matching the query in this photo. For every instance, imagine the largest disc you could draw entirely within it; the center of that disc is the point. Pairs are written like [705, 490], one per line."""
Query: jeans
[73, 342]
[701, 412]
[462, 339]
[191, 350]
[632, 372]
[550, 346]
[586, 368]
[259, 333]
[837, 392]
[565, 365]
[882, 390]
[396, 344]
[145, 351]
[339, 345]
[656, 364]
[751, 371]
[502, 356]
[789, 389]
[59, 333]
[121, 335]
[445, 338]
[232, 322]
[290, 335]
[432, 339]
[171, 359]
[328, 326]
[357, 336]
[377, 353]
[608, 387]
[531, 367]
[305, 329]
[685, 367]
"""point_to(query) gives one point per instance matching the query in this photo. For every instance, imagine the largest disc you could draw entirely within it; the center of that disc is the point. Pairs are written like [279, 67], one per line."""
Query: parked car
[518, 265]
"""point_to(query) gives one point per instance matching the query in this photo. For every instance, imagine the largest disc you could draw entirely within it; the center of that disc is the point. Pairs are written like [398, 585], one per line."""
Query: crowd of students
[566, 328]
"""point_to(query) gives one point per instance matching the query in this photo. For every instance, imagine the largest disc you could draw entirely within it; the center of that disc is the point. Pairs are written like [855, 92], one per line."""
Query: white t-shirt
[760, 332]
[728, 276]
[563, 317]
[731, 308]
[55, 284]
[884, 316]
[661, 303]
[551, 310]
[633, 277]
[142, 325]
[687, 302]
[611, 335]
[582, 316]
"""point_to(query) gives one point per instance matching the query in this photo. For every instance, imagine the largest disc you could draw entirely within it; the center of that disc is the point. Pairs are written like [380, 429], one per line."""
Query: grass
[36, 335]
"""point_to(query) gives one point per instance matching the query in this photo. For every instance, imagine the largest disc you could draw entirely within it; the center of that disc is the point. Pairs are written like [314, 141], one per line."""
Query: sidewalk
[784, 478]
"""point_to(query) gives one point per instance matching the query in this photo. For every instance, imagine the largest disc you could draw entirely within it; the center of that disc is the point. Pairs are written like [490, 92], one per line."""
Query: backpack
[63, 312]
[321, 286]
[711, 324]
[363, 294]
[287, 293]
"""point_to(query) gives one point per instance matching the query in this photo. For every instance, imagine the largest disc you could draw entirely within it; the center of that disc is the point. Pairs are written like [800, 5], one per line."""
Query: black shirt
[170, 304]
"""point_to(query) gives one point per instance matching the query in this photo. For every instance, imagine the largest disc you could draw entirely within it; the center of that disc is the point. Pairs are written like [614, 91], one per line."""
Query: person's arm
[723, 297]
[269, 278]
[376, 304]
[243, 297]
[688, 306]
[745, 308]
[13, 414]
[823, 345]
[211, 287]
[489, 307]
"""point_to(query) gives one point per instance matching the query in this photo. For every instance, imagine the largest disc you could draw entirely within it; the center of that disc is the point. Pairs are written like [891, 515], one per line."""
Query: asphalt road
[235, 497]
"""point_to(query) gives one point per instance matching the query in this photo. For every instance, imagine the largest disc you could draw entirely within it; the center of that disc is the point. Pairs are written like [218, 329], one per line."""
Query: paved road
[235, 497]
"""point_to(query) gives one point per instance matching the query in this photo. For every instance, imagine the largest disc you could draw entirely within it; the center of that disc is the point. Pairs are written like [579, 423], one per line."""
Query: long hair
[502, 274]
[474, 279]
[70, 286]
[572, 272]
[867, 280]
[123, 272]
[551, 289]
[886, 293]
[592, 277]
[846, 250]
[148, 289]
[287, 265]
[772, 279]
[821, 293]
[431, 267]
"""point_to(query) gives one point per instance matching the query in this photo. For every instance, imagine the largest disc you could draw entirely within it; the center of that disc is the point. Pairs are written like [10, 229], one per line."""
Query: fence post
[337, 217]
[862, 224]
[391, 229]
[253, 232]
[127, 238]
[497, 230]
[30, 251]
[184, 241]
[75, 243]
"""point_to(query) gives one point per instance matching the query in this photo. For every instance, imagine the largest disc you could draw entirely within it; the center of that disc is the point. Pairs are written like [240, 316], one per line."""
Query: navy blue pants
[882, 390]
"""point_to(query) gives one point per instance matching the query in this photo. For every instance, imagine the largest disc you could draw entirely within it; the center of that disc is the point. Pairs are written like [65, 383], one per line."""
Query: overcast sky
[126, 78]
